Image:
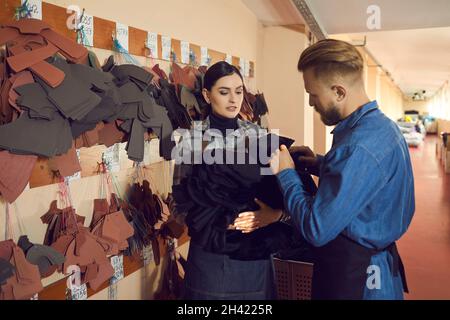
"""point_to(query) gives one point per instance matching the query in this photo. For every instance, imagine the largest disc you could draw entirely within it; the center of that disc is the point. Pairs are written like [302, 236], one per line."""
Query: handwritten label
[242, 66]
[166, 47]
[112, 291]
[229, 59]
[111, 157]
[247, 68]
[147, 255]
[78, 292]
[87, 29]
[77, 175]
[122, 35]
[152, 44]
[185, 52]
[117, 264]
[151, 152]
[35, 7]
[204, 56]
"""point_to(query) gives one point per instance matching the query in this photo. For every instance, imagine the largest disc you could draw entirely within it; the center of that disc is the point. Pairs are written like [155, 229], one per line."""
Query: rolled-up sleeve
[350, 178]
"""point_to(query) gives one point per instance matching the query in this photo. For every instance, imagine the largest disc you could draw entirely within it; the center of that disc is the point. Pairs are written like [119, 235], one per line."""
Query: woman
[223, 262]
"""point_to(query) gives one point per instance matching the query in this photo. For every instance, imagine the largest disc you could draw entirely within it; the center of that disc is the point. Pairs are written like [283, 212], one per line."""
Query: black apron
[340, 269]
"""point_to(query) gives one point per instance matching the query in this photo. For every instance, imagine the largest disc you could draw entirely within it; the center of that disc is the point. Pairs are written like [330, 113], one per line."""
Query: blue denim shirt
[366, 192]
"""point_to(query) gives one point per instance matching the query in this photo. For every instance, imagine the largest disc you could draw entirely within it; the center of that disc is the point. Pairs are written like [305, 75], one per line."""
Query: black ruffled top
[213, 195]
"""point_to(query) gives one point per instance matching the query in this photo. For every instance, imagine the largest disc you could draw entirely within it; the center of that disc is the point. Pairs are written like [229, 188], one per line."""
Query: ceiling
[275, 12]
[412, 43]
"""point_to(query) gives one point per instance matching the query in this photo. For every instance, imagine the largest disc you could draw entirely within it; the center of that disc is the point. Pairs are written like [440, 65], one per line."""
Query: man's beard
[331, 116]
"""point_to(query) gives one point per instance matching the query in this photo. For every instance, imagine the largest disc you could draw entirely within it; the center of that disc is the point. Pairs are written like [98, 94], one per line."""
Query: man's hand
[305, 159]
[281, 160]
[251, 220]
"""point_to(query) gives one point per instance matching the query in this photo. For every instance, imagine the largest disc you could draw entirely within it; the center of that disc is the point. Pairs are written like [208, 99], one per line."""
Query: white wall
[283, 84]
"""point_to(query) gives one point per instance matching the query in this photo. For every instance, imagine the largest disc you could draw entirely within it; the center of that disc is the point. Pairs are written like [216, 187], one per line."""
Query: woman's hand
[251, 220]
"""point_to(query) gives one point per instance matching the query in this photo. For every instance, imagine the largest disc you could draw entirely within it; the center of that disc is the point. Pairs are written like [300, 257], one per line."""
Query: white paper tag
[185, 52]
[166, 43]
[152, 44]
[204, 56]
[111, 157]
[35, 297]
[154, 155]
[242, 66]
[175, 243]
[122, 35]
[77, 175]
[247, 68]
[87, 25]
[229, 59]
[78, 292]
[117, 264]
[35, 8]
[112, 291]
[147, 255]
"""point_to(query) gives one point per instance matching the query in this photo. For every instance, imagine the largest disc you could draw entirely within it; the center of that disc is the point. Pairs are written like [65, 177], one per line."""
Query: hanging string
[116, 186]
[123, 53]
[22, 228]
[9, 231]
[151, 56]
[81, 34]
[109, 184]
[100, 171]
[23, 11]
[64, 191]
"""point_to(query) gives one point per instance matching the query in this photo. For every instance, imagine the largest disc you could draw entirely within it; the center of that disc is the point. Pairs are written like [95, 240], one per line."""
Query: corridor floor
[425, 248]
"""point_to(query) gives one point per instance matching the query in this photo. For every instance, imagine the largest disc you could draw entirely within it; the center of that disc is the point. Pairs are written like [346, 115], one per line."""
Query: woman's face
[226, 96]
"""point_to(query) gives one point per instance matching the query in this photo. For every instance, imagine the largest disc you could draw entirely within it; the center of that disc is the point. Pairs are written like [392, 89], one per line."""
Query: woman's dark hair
[219, 70]
[215, 72]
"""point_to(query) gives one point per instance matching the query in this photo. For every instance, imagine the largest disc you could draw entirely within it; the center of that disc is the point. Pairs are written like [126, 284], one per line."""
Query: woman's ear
[205, 93]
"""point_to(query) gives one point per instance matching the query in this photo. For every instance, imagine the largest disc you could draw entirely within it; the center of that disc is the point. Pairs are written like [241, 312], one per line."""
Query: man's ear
[205, 93]
[340, 92]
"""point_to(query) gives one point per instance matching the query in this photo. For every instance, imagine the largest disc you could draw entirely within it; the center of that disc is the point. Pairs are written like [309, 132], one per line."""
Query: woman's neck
[222, 123]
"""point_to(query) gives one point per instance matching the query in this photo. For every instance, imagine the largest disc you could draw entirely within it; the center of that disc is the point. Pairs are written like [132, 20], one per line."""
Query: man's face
[322, 97]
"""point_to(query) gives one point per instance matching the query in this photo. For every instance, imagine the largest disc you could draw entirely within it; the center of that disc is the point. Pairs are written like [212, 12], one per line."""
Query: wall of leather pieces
[241, 37]
[56, 16]
[33, 203]
[139, 283]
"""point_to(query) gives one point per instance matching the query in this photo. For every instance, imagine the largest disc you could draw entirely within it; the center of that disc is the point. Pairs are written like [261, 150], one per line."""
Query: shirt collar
[353, 118]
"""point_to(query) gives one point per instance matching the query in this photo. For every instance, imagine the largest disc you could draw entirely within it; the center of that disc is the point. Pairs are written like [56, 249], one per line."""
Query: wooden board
[103, 32]
[56, 17]
[198, 53]
[136, 42]
[216, 56]
[41, 174]
[159, 47]
[176, 48]
[7, 10]
[235, 61]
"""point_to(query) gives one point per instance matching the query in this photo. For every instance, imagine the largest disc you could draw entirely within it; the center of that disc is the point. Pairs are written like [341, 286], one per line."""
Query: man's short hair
[330, 58]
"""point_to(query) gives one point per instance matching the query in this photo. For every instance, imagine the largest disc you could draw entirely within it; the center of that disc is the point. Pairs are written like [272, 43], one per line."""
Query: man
[365, 198]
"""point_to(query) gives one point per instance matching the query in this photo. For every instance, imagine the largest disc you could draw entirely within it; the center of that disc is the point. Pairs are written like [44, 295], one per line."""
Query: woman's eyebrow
[240, 87]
